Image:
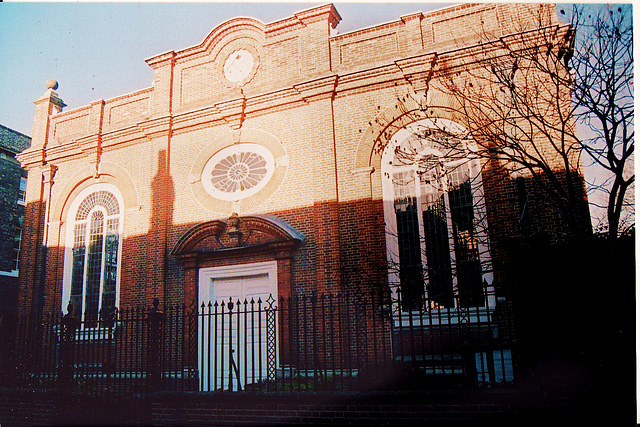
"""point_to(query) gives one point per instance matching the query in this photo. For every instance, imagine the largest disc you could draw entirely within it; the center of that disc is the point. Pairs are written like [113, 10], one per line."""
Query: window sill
[13, 273]
[442, 317]
[93, 334]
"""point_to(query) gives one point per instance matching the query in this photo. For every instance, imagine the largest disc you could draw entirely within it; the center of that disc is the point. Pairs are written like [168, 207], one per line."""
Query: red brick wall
[319, 409]
[46, 408]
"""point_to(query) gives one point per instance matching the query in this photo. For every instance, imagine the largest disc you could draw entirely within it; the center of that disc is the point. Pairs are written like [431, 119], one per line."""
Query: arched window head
[434, 211]
[92, 256]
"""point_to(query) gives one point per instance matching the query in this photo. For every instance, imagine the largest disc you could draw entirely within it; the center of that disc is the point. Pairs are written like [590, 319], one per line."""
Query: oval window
[238, 171]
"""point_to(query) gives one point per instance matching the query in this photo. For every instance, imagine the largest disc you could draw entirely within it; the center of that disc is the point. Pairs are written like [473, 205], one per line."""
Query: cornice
[319, 13]
[196, 118]
[160, 60]
[411, 16]
[230, 111]
[273, 100]
[234, 25]
[122, 136]
[369, 77]
[302, 18]
[418, 69]
[52, 97]
[89, 144]
[322, 87]
[156, 127]
[469, 55]
[67, 152]
[535, 37]
[31, 157]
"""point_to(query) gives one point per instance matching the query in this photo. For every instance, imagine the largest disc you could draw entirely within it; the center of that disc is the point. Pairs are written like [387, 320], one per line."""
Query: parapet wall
[292, 51]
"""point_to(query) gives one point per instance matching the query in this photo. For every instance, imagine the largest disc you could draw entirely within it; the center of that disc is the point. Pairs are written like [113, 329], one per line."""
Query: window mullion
[119, 231]
[102, 261]
[480, 228]
[450, 234]
[85, 267]
[421, 202]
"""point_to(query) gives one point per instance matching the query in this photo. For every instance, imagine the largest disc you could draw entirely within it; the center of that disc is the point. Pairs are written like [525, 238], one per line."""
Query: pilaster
[46, 106]
[161, 97]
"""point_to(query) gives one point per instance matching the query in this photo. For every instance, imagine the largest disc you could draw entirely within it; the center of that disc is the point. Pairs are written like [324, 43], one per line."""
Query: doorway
[237, 325]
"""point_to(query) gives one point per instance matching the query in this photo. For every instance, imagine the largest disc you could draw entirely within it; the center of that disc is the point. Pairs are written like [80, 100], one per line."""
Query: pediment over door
[235, 237]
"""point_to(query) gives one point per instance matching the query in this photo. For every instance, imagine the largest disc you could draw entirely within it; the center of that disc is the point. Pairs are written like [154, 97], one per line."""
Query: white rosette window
[238, 171]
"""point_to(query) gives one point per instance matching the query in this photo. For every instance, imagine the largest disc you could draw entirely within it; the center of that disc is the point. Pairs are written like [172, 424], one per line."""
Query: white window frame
[16, 255]
[232, 150]
[391, 227]
[69, 239]
[22, 192]
[17, 238]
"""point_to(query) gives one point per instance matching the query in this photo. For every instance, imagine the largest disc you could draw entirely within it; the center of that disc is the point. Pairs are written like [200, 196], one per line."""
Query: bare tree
[524, 98]
[602, 66]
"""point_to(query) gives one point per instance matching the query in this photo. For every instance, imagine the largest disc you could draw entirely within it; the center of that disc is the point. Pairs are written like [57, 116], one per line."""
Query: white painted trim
[388, 195]
[205, 275]
[262, 151]
[68, 249]
[13, 273]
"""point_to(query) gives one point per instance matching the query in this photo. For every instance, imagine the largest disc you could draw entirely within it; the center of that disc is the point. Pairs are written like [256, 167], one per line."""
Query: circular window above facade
[238, 171]
[238, 65]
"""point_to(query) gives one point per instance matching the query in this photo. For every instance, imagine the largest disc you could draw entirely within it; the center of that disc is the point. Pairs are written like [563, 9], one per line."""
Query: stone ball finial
[52, 84]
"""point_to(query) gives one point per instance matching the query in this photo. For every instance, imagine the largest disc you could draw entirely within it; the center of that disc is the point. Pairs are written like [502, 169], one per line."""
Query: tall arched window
[434, 215]
[92, 261]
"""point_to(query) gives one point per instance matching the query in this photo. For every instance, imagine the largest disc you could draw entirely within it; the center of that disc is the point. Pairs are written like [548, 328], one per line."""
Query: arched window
[92, 261]
[434, 215]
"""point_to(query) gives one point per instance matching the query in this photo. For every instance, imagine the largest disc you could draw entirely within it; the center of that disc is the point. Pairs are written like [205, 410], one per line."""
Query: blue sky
[97, 50]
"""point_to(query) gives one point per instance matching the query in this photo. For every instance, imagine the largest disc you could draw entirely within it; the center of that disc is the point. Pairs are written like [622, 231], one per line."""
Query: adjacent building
[13, 185]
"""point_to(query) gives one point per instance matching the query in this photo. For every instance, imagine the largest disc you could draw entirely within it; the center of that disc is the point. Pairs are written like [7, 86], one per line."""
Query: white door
[233, 331]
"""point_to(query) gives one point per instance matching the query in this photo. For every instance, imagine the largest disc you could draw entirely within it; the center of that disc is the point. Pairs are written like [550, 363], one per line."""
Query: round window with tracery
[238, 171]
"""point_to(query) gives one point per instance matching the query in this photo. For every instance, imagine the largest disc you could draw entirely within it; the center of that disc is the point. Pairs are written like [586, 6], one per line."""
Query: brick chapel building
[265, 160]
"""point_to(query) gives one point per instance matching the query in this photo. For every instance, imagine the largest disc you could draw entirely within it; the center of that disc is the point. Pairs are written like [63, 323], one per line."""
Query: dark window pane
[94, 266]
[411, 273]
[440, 285]
[468, 269]
[110, 266]
[77, 268]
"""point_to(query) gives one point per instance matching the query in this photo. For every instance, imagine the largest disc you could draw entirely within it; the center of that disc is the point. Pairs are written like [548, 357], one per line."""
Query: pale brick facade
[322, 104]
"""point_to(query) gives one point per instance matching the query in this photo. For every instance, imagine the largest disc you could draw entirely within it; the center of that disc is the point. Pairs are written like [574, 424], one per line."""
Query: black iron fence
[318, 342]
